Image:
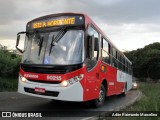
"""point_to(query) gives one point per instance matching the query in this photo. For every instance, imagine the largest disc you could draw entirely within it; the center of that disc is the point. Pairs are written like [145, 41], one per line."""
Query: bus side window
[120, 60]
[123, 61]
[114, 58]
[92, 58]
[126, 66]
[130, 69]
[105, 51]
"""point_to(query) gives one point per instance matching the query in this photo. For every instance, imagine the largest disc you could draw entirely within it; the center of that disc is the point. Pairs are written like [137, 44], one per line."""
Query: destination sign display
[63, 21]
[56, 21]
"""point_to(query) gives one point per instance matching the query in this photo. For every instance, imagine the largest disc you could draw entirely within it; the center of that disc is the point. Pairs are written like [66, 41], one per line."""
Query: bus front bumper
[70, 93]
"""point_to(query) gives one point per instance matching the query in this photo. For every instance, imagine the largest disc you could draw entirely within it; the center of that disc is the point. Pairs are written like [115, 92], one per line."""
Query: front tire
[100, 101]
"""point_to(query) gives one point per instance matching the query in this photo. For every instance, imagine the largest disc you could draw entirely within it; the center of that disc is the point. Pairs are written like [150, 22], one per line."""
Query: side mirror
[18, 38]
[17, 42]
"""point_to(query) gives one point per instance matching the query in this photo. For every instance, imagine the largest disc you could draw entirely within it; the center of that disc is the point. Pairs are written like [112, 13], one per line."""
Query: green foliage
[146, 61]
[8, 84]
[149, 101]
[9, 64]
[150, 98]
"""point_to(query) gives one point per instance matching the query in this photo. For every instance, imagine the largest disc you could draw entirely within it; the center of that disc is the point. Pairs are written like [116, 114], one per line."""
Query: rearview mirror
[18, 38]
[17, 42]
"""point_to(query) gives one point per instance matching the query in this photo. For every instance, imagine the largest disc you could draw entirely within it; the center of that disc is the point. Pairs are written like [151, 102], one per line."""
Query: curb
[129, 103]
[116, 108]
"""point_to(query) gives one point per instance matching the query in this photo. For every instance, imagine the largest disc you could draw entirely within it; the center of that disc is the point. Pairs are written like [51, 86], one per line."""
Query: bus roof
[55, 15]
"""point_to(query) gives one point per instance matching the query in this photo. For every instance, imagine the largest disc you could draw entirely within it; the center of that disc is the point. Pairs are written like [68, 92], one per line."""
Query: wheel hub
[101, 95]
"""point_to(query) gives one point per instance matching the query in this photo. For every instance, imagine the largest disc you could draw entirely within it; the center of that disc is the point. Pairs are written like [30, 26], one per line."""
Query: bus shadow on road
[74, 109]
[52, 105]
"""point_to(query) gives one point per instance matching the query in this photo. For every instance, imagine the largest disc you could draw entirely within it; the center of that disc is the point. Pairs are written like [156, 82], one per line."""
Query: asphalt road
[13, 101]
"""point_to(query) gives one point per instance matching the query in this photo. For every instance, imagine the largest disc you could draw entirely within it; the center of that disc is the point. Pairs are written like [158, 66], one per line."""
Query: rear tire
[100, 101]
[125, 90]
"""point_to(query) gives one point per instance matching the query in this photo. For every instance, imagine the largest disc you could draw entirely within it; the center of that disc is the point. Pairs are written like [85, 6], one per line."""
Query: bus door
[93, 69]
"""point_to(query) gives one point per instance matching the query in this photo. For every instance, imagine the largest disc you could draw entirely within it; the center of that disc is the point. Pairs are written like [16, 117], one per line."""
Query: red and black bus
[67, 57]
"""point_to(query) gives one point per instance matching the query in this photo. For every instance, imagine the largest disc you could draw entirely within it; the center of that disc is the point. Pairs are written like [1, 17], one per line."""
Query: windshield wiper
[40, 45]
[57, 38]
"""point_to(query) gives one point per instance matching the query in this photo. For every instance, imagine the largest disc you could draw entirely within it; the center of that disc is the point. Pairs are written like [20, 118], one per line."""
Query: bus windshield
[68, 50]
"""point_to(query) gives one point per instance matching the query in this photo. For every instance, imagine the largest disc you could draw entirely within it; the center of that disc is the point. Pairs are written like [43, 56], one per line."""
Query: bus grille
[47, 93]
[44, 81]
[43, 70]
[50, 69]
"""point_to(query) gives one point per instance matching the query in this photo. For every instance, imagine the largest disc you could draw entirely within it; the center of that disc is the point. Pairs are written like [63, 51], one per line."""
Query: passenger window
[120, 64]
[114, 53]
[110, 49]
[123, 68]
[126, 66]
[114, 60]
[105, 50]
[105, 45]
[123, 60]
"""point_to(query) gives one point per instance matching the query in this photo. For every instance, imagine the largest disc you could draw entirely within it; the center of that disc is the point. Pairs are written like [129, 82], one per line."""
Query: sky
[129, 24]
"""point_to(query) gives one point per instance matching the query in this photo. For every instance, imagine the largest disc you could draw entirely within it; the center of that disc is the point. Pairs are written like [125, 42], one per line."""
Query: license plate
[40, 90]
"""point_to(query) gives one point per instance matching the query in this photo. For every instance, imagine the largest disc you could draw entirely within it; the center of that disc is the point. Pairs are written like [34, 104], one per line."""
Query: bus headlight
[73, 80]
[64, 83]
[23, 79]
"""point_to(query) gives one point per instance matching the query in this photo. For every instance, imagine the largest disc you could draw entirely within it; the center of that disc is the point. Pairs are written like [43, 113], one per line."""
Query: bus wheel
[100, 101]
[125, 90]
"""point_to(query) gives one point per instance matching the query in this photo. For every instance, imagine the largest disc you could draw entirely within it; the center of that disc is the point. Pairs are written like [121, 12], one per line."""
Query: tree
[9, 64]
[146, 61]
